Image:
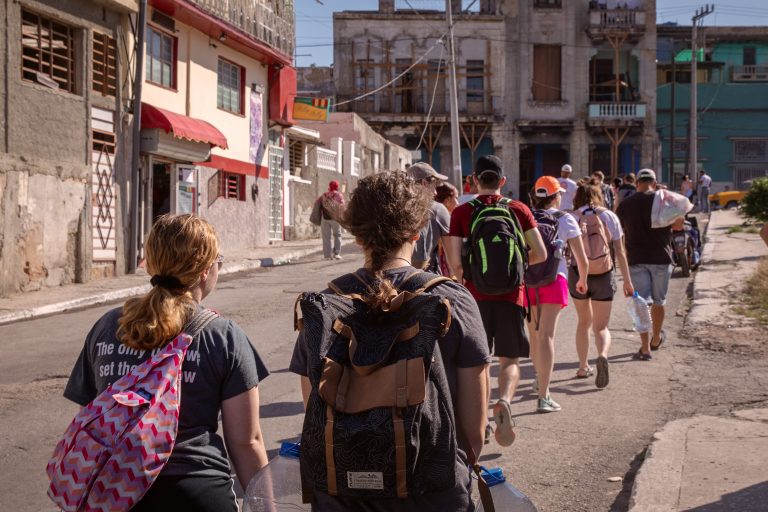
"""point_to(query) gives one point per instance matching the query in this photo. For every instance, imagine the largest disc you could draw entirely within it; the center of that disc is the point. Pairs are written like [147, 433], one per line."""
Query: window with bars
[232, 186]
[104, 64]
[230, 91]
[47, 52]
[547, 4]
[476, 80]
[546, 85]
[750, 150]
[103, 141]
[161, 58]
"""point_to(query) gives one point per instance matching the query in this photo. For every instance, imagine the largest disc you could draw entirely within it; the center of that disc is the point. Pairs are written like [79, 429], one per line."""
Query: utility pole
[134, 230]
[693, 171]
[453, 91]
[672, 123]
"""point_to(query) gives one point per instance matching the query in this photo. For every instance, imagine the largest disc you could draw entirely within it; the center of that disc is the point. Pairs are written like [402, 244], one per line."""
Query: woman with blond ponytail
[220, 373]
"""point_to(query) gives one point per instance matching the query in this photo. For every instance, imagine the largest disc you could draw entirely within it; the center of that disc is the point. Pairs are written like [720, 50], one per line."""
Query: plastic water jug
[638, 311]
[277, 486]
[506, 497]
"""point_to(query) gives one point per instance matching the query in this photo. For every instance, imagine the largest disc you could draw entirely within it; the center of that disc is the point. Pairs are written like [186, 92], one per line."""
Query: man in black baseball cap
[502, 310]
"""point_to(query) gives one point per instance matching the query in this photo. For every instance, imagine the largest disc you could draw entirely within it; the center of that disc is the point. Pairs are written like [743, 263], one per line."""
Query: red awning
[235, 166]
[181, 126]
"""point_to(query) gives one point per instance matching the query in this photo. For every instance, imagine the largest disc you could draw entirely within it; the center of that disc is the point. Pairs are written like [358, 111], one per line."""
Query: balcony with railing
[268, 21]
[755, 73]
[616, 114]
[606, 22]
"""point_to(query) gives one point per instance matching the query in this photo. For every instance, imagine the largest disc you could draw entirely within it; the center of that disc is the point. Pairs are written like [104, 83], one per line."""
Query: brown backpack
[597, 245]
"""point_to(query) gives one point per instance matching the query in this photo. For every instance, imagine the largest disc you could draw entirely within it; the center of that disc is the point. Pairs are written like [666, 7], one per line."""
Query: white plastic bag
[667, 207]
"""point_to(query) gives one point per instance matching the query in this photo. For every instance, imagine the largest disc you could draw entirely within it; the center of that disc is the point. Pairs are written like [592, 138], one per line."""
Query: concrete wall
[45, 155]
[240, 225]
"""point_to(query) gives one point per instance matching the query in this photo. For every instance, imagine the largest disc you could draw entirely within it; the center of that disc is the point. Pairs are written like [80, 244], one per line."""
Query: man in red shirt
[503, 315]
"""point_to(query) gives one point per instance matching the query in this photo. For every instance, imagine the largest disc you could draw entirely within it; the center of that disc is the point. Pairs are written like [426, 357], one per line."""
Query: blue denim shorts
[651, 282]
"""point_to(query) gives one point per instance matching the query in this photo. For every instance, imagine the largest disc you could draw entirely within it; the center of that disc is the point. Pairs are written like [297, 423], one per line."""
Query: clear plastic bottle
[559, 245]
[506, 497]
[638, 311]
[277, 486]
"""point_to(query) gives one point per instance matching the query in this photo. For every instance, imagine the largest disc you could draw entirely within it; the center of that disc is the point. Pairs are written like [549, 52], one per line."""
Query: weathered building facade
[732, 90]
[217, 97]
[540, 83]
[62, 141]
[374, 48]
[345, 149]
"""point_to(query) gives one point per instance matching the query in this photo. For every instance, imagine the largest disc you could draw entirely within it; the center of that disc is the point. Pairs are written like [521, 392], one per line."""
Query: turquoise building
[732, 89]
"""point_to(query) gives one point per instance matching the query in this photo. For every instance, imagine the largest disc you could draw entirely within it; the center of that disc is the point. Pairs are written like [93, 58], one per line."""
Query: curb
[124, 293]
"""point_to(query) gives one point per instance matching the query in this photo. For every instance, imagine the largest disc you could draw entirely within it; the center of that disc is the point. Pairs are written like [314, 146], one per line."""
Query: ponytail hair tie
[169, 282]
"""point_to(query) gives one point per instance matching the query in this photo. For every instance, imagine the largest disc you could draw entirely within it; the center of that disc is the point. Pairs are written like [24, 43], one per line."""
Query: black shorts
[190, 494]
[504, 324]
[600, 288]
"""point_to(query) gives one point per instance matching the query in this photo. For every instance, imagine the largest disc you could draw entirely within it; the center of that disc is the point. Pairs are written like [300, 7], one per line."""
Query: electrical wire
[398, 77]
[432, 101]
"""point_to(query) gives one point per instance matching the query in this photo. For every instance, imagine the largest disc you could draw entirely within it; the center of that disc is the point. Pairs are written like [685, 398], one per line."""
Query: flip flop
[662, 337]
[602, 373]
[502, 415]
[639, 356]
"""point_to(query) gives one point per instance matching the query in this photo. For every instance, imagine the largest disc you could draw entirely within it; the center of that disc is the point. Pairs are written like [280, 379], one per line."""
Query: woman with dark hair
[594, 307]
[221, 370]
[385, 214]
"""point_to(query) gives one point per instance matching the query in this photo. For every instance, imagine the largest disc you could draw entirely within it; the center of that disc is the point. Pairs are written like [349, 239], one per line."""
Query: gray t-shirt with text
[221, 363]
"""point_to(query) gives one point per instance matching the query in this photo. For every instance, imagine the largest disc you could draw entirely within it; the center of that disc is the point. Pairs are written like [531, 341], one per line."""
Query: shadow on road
[281, 409]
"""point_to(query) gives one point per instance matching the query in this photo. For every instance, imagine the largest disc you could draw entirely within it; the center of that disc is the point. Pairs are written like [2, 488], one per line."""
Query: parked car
[727, 198]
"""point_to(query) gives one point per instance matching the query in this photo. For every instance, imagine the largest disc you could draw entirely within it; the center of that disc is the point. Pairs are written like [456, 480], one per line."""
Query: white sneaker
[544, 405]
[337, 256]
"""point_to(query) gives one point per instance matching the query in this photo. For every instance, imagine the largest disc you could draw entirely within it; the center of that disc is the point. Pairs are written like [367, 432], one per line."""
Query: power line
[432, 101]
[398, 77]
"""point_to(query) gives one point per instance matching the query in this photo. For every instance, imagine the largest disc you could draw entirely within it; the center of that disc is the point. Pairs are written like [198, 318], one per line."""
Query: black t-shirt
[221, 363]
[645, 245]
[464, 346]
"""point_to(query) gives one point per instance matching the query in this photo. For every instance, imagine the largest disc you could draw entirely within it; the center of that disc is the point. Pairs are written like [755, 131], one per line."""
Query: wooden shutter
[546, 73]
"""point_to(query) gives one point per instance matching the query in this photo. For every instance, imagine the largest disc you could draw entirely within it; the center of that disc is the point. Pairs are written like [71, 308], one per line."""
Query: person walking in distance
[626, 189]
[649, 252]
[385, 214]
[547, 285]
[332, 202]
[221, 370]
[602, 230]
[439, 219]
[686, 188]
[503, 310]
[705, 182]
[608, 198]
[567, 184]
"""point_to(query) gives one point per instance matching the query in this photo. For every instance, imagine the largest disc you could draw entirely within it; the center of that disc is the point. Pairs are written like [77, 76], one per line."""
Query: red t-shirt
[461, 219]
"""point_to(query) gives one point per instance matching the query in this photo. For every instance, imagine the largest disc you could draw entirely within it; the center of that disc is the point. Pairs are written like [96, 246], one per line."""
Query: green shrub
[755, 203]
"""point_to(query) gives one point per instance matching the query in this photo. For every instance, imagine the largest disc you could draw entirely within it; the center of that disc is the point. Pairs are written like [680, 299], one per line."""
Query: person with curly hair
[221, 371]
[385, 214]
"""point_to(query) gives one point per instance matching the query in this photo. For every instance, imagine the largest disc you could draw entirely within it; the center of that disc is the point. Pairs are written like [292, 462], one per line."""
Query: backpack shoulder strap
[199, 321]
[559, 214]
[420, 282]
[341, 286]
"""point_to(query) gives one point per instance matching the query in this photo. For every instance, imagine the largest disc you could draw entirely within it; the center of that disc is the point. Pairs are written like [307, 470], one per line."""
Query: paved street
[563, 460]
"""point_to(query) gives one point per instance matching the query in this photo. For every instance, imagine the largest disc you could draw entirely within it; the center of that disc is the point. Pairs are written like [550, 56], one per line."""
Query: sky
[314, 20]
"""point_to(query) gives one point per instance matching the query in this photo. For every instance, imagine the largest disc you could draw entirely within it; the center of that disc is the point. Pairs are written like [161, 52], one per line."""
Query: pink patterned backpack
[116, 446]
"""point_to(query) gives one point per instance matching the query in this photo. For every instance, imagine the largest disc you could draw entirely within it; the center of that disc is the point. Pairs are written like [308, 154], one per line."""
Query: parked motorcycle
[686, 245]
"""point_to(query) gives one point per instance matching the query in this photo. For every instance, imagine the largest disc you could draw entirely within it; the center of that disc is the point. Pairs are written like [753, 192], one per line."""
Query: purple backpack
[544, 273]
[116, 446]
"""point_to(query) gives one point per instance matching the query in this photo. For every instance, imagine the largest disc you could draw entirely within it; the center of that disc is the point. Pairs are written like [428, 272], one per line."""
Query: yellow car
[727, 198]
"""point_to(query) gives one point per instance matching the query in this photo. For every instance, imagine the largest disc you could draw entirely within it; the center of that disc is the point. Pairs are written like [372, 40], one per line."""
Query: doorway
[161, 188]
